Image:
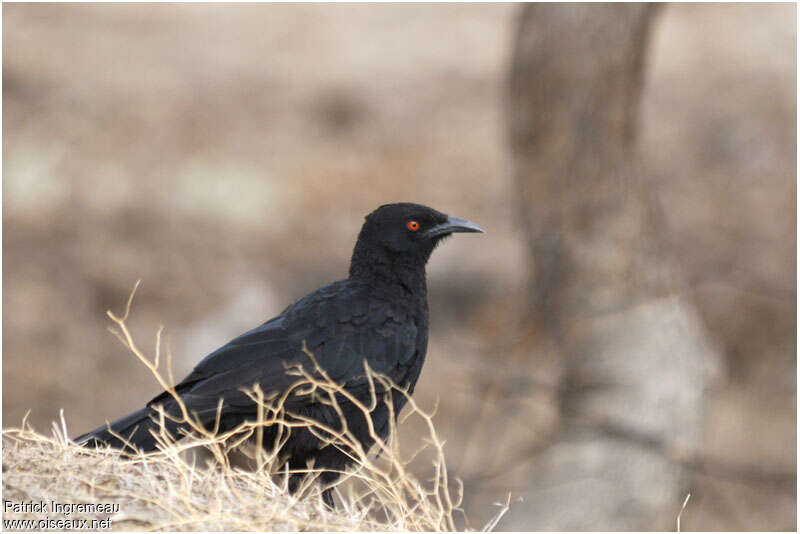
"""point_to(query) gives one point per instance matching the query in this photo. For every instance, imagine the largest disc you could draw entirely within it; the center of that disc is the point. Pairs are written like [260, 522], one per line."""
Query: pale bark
[605, 300]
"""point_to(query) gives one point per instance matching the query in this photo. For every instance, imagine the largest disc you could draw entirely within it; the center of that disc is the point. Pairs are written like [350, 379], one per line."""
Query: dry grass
[174, 489]
[158, 492]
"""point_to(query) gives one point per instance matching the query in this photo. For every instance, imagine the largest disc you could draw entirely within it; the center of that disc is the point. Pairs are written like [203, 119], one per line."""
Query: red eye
[413, 226]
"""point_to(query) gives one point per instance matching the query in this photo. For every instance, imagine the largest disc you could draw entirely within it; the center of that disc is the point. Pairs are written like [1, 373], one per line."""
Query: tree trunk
[605, 301]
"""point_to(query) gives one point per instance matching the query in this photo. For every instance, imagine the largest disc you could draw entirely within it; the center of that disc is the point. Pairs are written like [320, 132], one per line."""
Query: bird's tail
[133, 432]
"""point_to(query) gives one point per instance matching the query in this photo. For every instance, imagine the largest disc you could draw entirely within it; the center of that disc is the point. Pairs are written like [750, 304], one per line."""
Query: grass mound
[156, 492]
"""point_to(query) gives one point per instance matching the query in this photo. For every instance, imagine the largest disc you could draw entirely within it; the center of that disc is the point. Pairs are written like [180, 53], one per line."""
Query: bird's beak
[451, 226]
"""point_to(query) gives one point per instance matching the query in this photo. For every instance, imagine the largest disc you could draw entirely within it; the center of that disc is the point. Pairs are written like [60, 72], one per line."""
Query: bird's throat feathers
[377, 265]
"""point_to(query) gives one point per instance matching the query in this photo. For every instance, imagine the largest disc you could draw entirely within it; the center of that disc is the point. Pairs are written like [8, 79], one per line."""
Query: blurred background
[623, 334]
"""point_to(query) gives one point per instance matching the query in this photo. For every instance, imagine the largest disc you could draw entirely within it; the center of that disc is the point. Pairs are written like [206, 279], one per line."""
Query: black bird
[378, 314]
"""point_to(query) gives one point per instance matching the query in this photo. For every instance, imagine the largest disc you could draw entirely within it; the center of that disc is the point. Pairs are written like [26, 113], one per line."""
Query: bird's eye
[413, 226]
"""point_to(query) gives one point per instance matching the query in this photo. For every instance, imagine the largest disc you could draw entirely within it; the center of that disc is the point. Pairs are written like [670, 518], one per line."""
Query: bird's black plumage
[379, 314]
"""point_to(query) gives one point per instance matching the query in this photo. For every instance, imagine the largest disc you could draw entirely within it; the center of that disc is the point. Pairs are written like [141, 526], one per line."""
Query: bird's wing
[340, 326]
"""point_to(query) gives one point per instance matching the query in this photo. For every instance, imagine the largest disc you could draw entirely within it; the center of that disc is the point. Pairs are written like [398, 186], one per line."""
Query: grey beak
[451, 226]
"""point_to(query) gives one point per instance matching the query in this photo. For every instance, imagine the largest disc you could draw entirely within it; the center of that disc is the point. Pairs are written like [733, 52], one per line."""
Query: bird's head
[405, 233]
